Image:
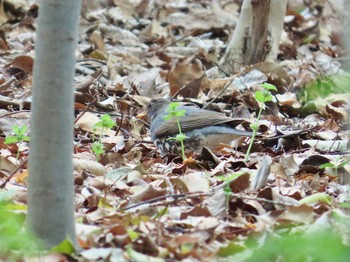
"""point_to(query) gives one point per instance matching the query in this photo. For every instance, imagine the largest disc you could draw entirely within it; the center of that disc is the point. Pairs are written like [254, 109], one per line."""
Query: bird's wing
[195, 118]
[207, 118]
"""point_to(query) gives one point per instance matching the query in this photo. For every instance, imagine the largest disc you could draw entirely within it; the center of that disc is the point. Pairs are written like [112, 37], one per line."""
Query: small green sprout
[262, 96]
[174, 112]
[227, 189]
[18, 137]
[106, 122]
[336, 165]
[97, 149]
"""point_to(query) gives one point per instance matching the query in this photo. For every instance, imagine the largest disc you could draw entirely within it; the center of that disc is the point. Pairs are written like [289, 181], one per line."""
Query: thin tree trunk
[248, 44]
[51, 191]
[257, 41]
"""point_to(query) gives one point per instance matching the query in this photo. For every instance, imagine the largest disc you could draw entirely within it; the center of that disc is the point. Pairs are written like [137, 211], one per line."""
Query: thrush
[203, 128]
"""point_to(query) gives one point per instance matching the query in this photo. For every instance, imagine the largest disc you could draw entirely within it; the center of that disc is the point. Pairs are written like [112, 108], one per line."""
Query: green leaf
[315, 198]
[186, 248]
[167, 117]
[259, 96]
[97, 148]
[263, 96]
[173, 111]
[319, 245]
[230, 177]
[20, 130]
[132, 234]
[331, 165]
[254, 126]
[180, 113]
[19, 136]
[106, 122]
[11, 140]
[26, 138]
[16, 207]
[231, 249]
[344, 163]
[268, 86]
[227, 190]
[180, 137]
[14, 238]
[65, 247]
[173, 106]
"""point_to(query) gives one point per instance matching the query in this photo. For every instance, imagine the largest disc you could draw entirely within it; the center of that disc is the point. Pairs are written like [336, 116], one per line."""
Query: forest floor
[288, 202]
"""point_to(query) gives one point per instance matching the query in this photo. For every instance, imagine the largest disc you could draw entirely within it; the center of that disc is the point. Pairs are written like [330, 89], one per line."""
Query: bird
[202, 128]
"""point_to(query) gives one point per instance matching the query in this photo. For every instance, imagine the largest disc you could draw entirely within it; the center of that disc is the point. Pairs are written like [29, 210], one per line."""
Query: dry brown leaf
[299, 214]
[148, 193]
[196, 211]
[240, 183]
[91, 166]
[196, 182]
[181, 77]
[20, 67]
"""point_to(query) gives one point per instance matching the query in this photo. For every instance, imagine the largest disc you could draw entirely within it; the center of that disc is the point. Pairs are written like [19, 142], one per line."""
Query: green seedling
[262, 96]
[336, 165]
[174, 112]
[97, 149]
[18, 137]
[227, 189]
[15, 240]
[106, 122]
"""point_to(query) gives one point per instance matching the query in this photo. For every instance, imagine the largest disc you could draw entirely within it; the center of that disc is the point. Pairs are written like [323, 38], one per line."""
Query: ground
[133, 204]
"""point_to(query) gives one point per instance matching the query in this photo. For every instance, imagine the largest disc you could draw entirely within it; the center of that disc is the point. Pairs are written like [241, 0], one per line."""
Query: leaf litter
[134, 204]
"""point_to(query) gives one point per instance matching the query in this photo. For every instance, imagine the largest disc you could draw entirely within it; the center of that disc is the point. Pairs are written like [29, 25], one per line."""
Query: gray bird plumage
[202, 127]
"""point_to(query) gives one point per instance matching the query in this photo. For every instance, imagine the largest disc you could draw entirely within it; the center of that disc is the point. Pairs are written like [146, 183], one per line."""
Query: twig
[223, 90]
[7, 84]
[13, 113]
[13, 173]
[261, 199]
[120, 124]
[178, 40]
[85, 110]
[174, 198]
[168, 199]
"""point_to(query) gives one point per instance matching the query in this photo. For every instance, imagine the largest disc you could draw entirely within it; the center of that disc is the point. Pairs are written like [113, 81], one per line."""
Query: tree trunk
[257, 39]
[249, 41]
[51, 188]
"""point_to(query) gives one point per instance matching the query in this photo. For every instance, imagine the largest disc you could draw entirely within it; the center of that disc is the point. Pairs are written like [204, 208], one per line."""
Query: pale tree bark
[257, 34]
[257, 43]
[51, 191]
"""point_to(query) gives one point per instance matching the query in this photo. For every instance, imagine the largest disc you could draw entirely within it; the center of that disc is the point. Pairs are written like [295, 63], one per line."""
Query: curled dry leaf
[302, 214]
[196, 211]
[260, 179]
[20, 67]
[330, 146]
[187, 80]
[6, 161]
[216, 203]
[89, 165]
[149, 192]
[196, 182]
[288, 99]
[117, 142]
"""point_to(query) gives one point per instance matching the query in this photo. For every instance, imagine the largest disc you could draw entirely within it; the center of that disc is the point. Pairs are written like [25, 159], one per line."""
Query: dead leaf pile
[136, 205]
